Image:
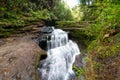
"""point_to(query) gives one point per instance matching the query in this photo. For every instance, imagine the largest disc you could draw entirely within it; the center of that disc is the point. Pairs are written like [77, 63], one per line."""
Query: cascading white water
[61, 54]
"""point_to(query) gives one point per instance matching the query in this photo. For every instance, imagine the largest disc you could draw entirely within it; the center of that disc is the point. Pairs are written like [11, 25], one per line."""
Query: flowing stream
[61, 53]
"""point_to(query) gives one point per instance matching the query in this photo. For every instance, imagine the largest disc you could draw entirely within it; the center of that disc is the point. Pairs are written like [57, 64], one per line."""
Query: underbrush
[11, 22]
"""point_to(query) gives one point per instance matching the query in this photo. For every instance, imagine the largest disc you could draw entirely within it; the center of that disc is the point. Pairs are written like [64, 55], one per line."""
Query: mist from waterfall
[61, 53]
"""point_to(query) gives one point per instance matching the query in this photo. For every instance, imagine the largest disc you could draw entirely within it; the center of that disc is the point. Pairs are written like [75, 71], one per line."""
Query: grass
[79, 71]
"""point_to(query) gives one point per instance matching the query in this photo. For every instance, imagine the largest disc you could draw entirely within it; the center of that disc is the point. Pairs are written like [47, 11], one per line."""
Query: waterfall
[61, 53]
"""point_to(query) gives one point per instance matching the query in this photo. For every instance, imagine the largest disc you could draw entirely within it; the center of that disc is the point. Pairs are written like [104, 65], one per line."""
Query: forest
[93, 24]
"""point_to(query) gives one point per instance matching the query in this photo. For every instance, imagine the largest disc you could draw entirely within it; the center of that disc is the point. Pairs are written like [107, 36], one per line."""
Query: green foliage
[18, 13]
[77, 13]
[83, 36]
[79, 71]
[67, 24]
[62, 12]
[104, 50]
[6, 32]
[112, 50]
[104, 56]
[107, 20]
[44, 14]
